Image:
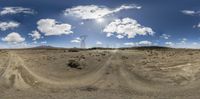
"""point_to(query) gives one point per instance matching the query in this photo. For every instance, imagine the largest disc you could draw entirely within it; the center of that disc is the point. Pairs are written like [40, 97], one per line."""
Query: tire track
[22, 76]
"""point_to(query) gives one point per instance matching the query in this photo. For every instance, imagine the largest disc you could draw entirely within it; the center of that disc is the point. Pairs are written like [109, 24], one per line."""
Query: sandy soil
[108, 74]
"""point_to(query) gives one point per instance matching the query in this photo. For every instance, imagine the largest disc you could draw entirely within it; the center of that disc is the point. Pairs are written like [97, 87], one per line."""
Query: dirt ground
[97, 74]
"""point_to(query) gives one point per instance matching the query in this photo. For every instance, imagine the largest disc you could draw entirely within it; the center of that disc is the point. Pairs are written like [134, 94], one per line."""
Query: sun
[100, 20]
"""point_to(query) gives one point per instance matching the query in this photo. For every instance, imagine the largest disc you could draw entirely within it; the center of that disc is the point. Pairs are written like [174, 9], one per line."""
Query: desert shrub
[103, 54]
[89, 88]
[98, 59]
[190, 53]
[73, 50]
[124, 57]
[74, 64]
[82, 57]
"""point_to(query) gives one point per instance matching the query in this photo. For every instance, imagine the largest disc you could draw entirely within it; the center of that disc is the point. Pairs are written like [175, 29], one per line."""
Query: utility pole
[83, 38]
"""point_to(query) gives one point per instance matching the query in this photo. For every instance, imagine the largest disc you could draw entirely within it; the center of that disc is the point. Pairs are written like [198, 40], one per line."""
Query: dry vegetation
[140, 73]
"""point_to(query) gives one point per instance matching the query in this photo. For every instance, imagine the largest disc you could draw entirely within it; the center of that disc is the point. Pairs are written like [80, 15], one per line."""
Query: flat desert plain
[100, 74]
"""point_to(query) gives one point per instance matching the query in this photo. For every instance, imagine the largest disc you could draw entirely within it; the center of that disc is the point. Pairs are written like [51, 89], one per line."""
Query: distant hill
[101, 48]
[137, 47]
[151, 47]
[44, 46]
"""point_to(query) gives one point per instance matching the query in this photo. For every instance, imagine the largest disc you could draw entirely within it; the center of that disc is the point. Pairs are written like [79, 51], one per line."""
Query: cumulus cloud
[52, 27]
[95, 11]
[8, 25]
[16, 10]
[165, 36]
[127, 27]
[13, 38]
[191, 12]
[99, 43]
[76, 40]
[35, 35]
[140, 43]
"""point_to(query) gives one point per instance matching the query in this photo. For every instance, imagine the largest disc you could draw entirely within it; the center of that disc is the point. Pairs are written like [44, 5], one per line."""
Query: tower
[83, 38]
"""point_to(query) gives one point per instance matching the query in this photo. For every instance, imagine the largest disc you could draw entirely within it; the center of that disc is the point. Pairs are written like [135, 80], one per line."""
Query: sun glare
[100, 20]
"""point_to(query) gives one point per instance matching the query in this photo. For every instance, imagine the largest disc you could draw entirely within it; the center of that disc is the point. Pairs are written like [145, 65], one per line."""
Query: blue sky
[114, 23]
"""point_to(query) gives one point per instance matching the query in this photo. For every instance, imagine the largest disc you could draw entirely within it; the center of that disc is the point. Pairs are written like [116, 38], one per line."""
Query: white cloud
[99, 43]
[109, 34]
[127, 27]
[8, 25]
[35, 42]
[183, 41]
[76, 40]
[82, 23]
[20, 45]
[188, 12]
[183, 44]
[95, 11]
[16, 10]
[43, 42]
[191, 12]
[120, 36]
[169, 43]
[145, 43]
[165, 36]
[35, 35]
[194, 43]
[52, 27]
[129, 44]
[140, 43]
[13, 38]
[196, 26]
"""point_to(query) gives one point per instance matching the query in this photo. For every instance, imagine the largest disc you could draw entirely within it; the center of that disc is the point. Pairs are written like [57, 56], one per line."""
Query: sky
[105, 23]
